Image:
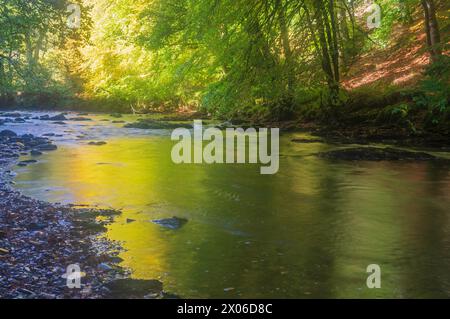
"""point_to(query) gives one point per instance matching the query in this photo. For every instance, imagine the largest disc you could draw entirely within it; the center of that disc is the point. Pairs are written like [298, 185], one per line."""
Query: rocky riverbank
[39, 240]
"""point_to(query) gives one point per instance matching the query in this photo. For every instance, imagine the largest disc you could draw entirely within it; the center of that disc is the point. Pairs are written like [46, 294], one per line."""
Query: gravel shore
[39, 240]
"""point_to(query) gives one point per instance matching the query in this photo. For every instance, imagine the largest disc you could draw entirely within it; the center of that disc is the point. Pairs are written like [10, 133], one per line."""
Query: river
[308, 231]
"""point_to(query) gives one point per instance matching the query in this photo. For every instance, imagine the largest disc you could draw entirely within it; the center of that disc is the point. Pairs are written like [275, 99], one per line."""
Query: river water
[309, 231]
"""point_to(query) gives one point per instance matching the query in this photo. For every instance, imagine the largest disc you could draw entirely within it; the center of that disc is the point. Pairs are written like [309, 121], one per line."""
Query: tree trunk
[286, 48]
[326, 62]
[431, 29]
[334, 41]
[330, 53]
[344, 37]
[288, 55]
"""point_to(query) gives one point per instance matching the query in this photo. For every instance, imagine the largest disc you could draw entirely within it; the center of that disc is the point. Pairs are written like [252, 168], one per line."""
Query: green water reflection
[309, 231]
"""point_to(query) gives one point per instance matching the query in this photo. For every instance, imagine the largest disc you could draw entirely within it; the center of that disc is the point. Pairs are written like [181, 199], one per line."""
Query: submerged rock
[157, 125]
[377, 154]
[29, 161]
[306, 140]
[97, 143]
[80, 119]
[180, 117]
[171, 223]
[35, 153]
[25, 163]
[134, 288]
[46, 147]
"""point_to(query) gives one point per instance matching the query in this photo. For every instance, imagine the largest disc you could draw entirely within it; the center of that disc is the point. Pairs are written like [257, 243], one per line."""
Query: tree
[29, 31]
[431, 29]
[324, 31]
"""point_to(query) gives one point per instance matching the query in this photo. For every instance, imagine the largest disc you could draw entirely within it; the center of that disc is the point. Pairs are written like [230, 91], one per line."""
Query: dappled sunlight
[224, 149]
[398, 65]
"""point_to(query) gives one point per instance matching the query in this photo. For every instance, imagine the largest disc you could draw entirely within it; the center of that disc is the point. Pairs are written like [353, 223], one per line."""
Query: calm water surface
[309, 231]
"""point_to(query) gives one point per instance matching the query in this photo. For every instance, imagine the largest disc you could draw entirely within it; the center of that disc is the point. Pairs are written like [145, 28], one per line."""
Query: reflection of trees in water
[310, 230]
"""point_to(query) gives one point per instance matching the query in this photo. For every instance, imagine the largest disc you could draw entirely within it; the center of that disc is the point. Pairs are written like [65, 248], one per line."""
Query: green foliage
[434, 90]
[234, 59]
[400, 110]
[392, 12]
[376, 96]
[33, 39]
[230, 57]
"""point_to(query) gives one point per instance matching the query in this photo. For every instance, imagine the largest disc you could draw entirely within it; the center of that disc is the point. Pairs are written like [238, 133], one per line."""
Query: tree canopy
[230, 58]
